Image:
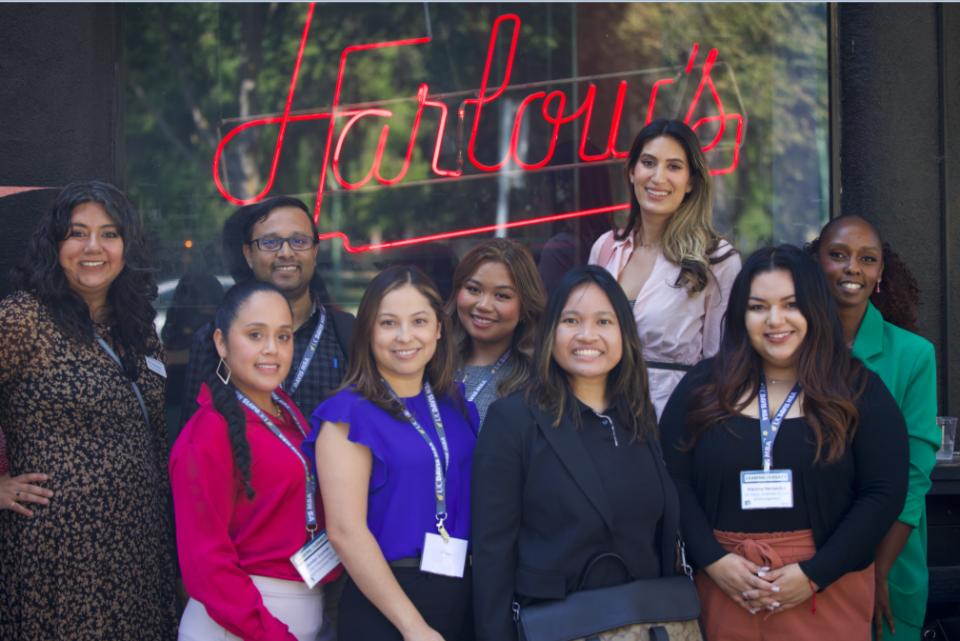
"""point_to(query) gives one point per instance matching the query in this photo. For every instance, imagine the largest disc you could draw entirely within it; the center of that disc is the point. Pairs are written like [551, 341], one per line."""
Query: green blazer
[906, 364]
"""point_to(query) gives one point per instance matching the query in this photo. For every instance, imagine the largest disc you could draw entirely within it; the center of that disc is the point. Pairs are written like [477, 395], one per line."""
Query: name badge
[764, 490]
[156, 366]
[448, 558]
[315, 560]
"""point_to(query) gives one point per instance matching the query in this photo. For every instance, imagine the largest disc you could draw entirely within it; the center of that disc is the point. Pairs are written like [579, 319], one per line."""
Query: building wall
[899, 133]
[58, 100]
[900, 152]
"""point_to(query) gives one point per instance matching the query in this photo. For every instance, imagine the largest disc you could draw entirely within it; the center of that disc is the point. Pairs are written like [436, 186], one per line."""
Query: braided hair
[225, 395]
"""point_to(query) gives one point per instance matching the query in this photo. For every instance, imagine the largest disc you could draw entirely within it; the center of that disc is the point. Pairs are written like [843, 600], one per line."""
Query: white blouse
[674, 327]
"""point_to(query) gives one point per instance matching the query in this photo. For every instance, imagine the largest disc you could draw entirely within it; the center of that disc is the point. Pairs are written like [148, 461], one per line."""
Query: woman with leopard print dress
[81, 400]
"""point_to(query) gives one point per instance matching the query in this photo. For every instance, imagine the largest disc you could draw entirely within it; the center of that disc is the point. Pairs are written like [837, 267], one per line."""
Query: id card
[764, 490]
[315, 560]
[156, 366]
[448, 559]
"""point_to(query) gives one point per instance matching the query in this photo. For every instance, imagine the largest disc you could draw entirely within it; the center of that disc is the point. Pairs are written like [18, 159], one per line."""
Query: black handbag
[661, 609]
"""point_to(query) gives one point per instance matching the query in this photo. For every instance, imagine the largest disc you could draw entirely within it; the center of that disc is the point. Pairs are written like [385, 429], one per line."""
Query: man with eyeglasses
[275, 241]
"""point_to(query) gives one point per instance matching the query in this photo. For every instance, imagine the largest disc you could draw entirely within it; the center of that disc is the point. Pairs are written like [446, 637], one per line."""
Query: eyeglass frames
[273, 244]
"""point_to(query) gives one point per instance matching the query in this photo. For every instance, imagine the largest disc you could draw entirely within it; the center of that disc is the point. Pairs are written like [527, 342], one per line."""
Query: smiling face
[851, 258]
[775, 325]
[291, 271]
[404, 337]
[258, 346]
[488, 306]
[587, 343]
[92, 253]
[661, 178]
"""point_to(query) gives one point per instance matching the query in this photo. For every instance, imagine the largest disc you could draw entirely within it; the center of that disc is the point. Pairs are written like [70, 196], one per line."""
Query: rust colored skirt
[843, 609]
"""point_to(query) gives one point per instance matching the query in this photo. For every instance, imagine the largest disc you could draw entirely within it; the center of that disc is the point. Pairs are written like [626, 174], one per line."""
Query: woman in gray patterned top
[497, 300]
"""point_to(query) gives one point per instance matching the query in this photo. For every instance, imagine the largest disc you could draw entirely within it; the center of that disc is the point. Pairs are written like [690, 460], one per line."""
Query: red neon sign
[551, 107]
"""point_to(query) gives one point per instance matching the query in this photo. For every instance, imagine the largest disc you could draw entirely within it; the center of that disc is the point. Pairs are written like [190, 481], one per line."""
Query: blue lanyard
[311, 508]
[309, 353]
[439, 469]
[472, 395]
[133, 384]
[769, 429]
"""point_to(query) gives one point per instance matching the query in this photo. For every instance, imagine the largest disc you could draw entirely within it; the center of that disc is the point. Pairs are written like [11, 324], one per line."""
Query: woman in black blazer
[571, 468]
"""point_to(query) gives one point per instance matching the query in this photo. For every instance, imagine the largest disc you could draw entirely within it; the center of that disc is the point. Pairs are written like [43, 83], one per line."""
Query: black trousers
[443, 602]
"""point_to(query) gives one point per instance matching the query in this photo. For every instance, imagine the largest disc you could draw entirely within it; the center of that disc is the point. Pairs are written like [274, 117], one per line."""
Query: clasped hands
[756, 588]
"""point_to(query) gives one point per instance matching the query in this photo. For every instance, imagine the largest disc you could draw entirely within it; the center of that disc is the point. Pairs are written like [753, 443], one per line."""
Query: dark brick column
[899, 66]
[59, 108]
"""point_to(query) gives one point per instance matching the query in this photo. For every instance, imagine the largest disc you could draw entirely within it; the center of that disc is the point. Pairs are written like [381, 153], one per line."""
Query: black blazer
[540, 513]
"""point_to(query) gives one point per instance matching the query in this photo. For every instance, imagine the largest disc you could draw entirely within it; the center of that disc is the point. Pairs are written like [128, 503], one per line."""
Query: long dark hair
[363, 374]
[626, 383]
[224, 395]
[831, 379]
[899, 295]
[689, 239]
[530, 295]
[237, 232]
[129, 296]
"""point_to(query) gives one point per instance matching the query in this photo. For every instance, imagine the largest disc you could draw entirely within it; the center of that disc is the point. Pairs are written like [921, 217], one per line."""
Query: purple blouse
[401, 504]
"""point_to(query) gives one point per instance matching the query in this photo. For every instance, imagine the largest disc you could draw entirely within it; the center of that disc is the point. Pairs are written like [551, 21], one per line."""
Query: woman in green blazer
[856, 262]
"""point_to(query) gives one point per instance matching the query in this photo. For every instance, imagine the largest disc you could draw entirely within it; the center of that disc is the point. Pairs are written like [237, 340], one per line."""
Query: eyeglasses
[273, 244]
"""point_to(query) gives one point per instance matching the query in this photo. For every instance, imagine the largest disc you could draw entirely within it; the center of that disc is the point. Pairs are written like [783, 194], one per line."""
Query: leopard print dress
[98, 563]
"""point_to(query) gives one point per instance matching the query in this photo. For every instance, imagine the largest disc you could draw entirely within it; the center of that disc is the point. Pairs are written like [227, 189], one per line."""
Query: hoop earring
[878, 285]
[223, 379]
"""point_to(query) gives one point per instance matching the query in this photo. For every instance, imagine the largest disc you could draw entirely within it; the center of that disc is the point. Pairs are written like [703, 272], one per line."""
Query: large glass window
[401, 122]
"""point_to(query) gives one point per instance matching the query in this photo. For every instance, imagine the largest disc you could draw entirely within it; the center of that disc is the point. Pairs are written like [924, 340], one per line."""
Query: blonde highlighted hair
[689, 240]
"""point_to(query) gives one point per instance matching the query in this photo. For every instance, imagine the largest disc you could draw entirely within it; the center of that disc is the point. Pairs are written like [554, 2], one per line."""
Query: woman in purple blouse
[393, 450]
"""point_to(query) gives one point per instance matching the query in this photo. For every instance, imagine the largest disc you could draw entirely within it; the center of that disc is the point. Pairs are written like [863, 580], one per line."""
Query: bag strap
[673, 551]
[673, 556]
[668, 542]
[659, 633]
[602, 556]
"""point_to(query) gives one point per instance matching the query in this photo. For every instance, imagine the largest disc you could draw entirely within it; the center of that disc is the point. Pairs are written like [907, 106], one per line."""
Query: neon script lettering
[551, 107]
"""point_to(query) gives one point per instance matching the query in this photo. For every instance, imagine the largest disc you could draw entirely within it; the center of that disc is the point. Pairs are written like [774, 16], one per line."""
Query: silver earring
[223, 379]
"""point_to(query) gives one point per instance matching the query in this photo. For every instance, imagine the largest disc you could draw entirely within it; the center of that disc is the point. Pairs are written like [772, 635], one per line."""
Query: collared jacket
[541, 510]
[906, 364]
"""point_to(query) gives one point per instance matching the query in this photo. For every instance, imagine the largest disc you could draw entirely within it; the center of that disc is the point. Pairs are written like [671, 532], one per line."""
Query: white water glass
[948, 431]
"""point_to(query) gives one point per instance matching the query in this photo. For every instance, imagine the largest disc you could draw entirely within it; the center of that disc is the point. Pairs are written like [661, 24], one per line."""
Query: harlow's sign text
[553, 110]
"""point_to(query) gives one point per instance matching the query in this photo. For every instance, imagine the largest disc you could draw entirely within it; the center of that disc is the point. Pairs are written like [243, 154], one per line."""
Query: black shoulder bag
[662, 609]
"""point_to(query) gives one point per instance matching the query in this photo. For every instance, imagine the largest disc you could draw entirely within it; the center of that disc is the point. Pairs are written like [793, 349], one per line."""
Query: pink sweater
[222, 536]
